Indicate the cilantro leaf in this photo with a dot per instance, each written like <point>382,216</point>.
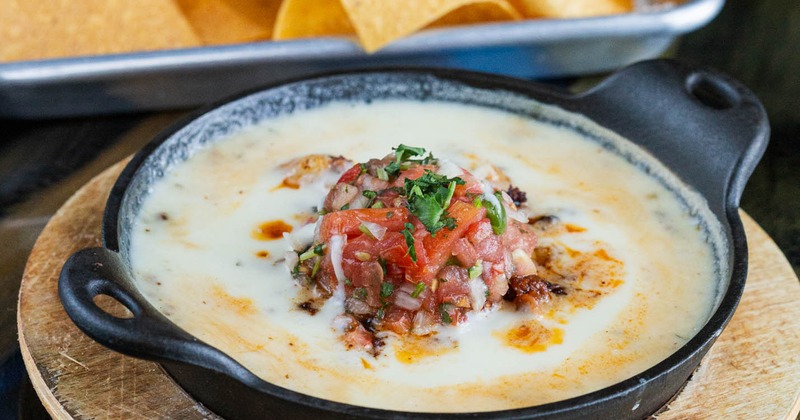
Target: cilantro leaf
<point>407,233</point>
<point>386,289</point>
<point>403,152</point>
<point>428,198</point>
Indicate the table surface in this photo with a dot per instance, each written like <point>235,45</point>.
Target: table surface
<point>43,162</point>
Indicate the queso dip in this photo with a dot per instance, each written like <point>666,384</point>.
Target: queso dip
<point>208,251</point>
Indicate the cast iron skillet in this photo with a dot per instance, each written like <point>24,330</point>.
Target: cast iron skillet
<point>705,127</point>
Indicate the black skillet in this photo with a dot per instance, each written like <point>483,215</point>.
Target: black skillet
<point>705,127</point>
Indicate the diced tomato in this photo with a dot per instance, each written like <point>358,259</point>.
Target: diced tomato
<point>350,175</point>
<point>480,231</point>
<point>355,335</point>
<point>489,249</point>
<point>397,320</point>
<point>465,252</point>
<point>453,286</point>
<point>413,172</point>
<point>519,235</point>
<point>393,249</point>
<point>471,185</point>
<point>365,275</point>
<point>438,248</point>
<point>347,222</point>
<point>495,277</point>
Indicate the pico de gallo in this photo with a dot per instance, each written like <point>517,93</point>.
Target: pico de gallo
<point>415,243</point>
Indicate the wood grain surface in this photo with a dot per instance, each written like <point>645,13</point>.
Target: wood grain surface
<point>751,372</point>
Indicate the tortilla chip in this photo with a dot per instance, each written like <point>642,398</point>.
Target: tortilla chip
<point>310,18</point>
<point>476,13</point>
<point>231,21</point>
<point>571,8</point>
<point>40,29</point>
<point>379,22</point>
<point>264,11</point>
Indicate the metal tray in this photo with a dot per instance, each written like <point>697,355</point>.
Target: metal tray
<point>185,78</point>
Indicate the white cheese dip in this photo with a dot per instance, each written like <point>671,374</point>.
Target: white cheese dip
<point>196,258</point>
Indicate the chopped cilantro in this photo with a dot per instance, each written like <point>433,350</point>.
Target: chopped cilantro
<point>386,289</point>
<point>377,205</point>
<point>360,293</point>
<point>345,207</point>
<point>363,167</point>
<point>389,214</point>
<point>418,289</point>
<point>444,314</point>
<point>407,233</point>
<point>370,195</point>
<point>404,153</point>
<point>429,197</point>
<point>348,282</point>
<point>392,169</point>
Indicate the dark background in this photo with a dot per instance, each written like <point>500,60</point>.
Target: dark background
<point>43,162</point>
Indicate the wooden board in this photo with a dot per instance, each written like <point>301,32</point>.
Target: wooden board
<point>751,372</point>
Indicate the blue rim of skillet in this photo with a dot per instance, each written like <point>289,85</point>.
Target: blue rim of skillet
<point>723,130</point>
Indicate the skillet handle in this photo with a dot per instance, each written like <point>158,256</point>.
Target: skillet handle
<point>705,126</point>
<point>147,334</point>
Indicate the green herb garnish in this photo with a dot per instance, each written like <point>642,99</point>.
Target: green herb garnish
<point>444,314</point>
<point>407,233</point>
<point>386,289</point>
<point>418,289</point>
<point>404,153</point>
<point>429,197</point>
<point>360,293</point>
<point>370,195</point>
<point>345,207</point>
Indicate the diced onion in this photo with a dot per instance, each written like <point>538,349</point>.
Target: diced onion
<point>341,323</point>
<point>336,247</point>
<point>359,202</point>
<point>357,306</point>
<point>375,229</point>
<point>477,289</point>
<point>291,259</point>
<point>523,264</point>
<point>424,323</point>
<point>512,211</point>
<point>403,299</point>
<point>449,169</point>
<point>303,237</point>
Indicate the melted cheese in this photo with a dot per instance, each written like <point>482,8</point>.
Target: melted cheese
<point>644,263</point>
